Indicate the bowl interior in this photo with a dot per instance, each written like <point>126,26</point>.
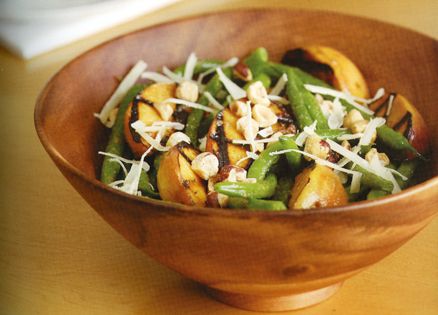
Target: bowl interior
<point>392,57</point>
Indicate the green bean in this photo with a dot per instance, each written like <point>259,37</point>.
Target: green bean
<point>257,60</point>
<point>406,168</point>
<point>255,204</point>
<point>394,140</point>
<point>205,125</point>
<point>195,117</point>
<point>284,188</point>
<point>364,149</point>
<point>260,167</point>
<point>297,101</point>
<point>145,186</point>
<point>237,203</point>
<point>261,189</point>
<point>116,143</point>
<point>332,134</point>
<point>273,205</point>
<point>376,193</point>
<point>374,181</point>
<point>294,159</point>
<point>275,70</point>
<point>307,99</point>
<point>262,77</point>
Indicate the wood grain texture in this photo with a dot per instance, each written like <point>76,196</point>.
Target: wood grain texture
<point>211,246</point>
<point>59,257</point>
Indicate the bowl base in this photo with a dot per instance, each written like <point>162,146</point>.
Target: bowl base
<point>274,303</point>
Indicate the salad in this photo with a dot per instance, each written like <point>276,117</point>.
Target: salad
<point>257,134</point>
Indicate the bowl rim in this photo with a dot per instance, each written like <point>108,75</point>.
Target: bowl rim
<point>58,158</point>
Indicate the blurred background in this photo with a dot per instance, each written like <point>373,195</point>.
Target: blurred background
<point>57,256</point>
<point>29,28</point>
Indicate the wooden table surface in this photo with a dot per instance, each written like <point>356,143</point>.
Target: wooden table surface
<point>57,256</point>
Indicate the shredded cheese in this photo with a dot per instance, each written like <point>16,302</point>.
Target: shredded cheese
<point>390,101</point>
<point>140,128</point>
<point>308,131</point>
<point>350,136</point>
<point>249,155</point>
<point>279,86</point>
<point>266,132</point>
<point>190,66</point>
<point>380,92</point>
<point>355,182</point>
<point>316,159</point>
<point>229,63</point>
<point>156,77</point>
<point>278,99</point>
<point>172,75</point>
<point>235,91</point>
<point>213,101</point>
<point>336,116</point>
<point>130,184</point>
<point>121,159</point>
<point>370,130</point>
<point>190,104</point>
<point>342,95</point>
<point>120,92</point>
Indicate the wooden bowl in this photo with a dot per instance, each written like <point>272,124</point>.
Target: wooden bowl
<point>254,260</point>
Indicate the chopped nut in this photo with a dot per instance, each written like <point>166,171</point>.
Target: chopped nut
<point>229,173</point>
<point>257,94</point>
<point>346,145</point>
<point>187,90</point>
<point>342,177</point>
<point>203,143</point>
<point>316,146</point>
<point>165,110</point>
<point>264,115</point>
<point>239,108</point>
<point>205,165</point>
<point>176,138</point>
<point>243,72</point>
<point>223,200</point>
<point>359,126</point>
<point>243,127</point>
<point>352,117</point>
<point>383,158</point>
<point>217,200</point>
<point>276,136</point>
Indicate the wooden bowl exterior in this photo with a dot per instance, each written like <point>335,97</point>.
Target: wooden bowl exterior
<point>253,253</point>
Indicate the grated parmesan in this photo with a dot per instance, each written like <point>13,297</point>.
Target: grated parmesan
<point>235,91</point>
<point>190,104</point>
<point>213,101</point>
<point>342,95</point>
<point>120,92</point>
<point>156,77</point>
<point>279,86</point>
<point>190,66</point>
<point>172,75</point>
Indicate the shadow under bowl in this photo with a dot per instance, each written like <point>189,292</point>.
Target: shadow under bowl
<point>251,259</point>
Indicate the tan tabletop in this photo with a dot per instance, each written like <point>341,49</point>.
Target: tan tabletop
<point>57,256</point>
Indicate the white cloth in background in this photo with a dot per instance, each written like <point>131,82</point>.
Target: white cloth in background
<point>32,27</point>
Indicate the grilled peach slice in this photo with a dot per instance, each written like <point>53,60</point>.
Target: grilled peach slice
<point>329,65</point>
<point>176,180</point>
<point>403,117</point>
<point>219,137</point>
<point>317,187</point>
<point>142,108</point>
